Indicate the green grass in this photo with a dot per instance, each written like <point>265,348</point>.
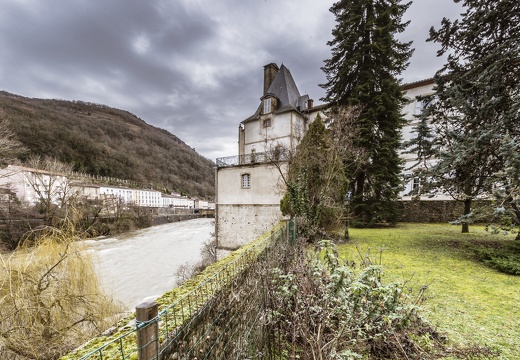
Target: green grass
<point>468,301</point>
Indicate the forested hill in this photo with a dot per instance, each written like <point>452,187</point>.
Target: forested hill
<point>100,140</point>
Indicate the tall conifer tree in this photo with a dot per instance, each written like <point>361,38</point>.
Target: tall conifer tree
<point>475,121</point>
<point>363,71</point>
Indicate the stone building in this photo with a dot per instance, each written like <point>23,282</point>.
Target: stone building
<point>249,186</point>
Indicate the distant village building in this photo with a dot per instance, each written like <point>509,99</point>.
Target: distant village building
<point>249,186</point>
<point>29,184</point>
<point>178,201</point>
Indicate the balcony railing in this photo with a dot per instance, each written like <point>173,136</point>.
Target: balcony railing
<point>253,158</point>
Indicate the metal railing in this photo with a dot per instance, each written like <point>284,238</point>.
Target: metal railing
<point>219,319</point>
<point>253,158</point>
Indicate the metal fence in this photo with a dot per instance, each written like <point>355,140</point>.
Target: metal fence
<point>222,318</point>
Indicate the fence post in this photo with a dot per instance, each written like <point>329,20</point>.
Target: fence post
<point>147,339</point>
<point>290,232</point>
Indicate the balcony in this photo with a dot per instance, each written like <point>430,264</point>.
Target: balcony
<point>253,158</point>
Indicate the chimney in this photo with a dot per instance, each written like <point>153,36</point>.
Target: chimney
<point>310,104</point>
<point>270,71</point>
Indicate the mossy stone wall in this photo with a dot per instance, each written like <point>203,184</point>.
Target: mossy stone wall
<point>434,211</point>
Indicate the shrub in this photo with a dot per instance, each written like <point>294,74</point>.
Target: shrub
<point>328,310</point>
<point>503,257</point>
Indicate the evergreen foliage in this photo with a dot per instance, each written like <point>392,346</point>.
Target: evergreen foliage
<point>316,182</point>
<point>474,129</point>
<point>326,308</point>
<point>366,60</point>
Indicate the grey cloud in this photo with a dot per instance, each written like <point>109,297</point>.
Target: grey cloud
<point>193,68</point>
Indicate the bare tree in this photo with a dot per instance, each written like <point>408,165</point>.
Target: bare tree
<point>52,187</point>
<point>10,147</point>
<point>50,298</point>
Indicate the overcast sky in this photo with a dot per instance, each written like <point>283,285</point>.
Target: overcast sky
<point>192,67</point>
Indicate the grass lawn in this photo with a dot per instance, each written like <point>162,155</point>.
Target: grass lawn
<point>470,302</point>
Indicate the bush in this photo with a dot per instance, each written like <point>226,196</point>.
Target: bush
<point>208,255</point>
<point>325,307</point>
<point>504,257</point>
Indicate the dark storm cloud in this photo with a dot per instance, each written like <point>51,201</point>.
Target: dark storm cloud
<point>192,67</point>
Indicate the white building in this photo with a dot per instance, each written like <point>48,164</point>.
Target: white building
<point>30,185</point>
<point>415,92</point>
<point>249,185</point>
<point>178,201</point>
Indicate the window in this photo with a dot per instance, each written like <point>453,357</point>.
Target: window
<point>267,106</point>
<point>419,106</point>
<point>417,184</point>
<point>267,123</point>
<point>246,181</point>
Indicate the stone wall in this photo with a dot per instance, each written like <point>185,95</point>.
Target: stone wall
<point>165,219</point>
<point>432,211</point>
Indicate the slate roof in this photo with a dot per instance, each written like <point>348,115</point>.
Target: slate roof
<point>284,88</point>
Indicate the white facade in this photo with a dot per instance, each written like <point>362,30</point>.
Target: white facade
<point>178,201</point>
<point>414,92</point>
<point>245,210</point>
<point>264,134</point>
<point>30,184</point>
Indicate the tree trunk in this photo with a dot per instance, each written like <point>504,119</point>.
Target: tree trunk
<point>347,214</point>
<point>467,210</point>
<point>358,197</point>
<point>516,217</point>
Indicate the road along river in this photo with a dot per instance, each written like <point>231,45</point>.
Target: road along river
<point>140,265</point>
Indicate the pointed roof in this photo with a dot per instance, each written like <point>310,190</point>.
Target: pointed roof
<point>285,90</point>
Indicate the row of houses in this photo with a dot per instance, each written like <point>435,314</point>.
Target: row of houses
<point>31,185</point>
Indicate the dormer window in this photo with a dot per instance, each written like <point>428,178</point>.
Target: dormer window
<point>267,106</point>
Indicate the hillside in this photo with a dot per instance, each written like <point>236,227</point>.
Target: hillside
<point>100,140</point>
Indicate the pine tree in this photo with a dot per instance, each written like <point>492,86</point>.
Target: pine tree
<point>478,104</point>
<point>362,72</point>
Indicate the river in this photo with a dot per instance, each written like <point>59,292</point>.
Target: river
<point>140,265</point>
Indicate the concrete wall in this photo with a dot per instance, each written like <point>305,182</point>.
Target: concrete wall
<point>244,214</point>
<point>237,225</point>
